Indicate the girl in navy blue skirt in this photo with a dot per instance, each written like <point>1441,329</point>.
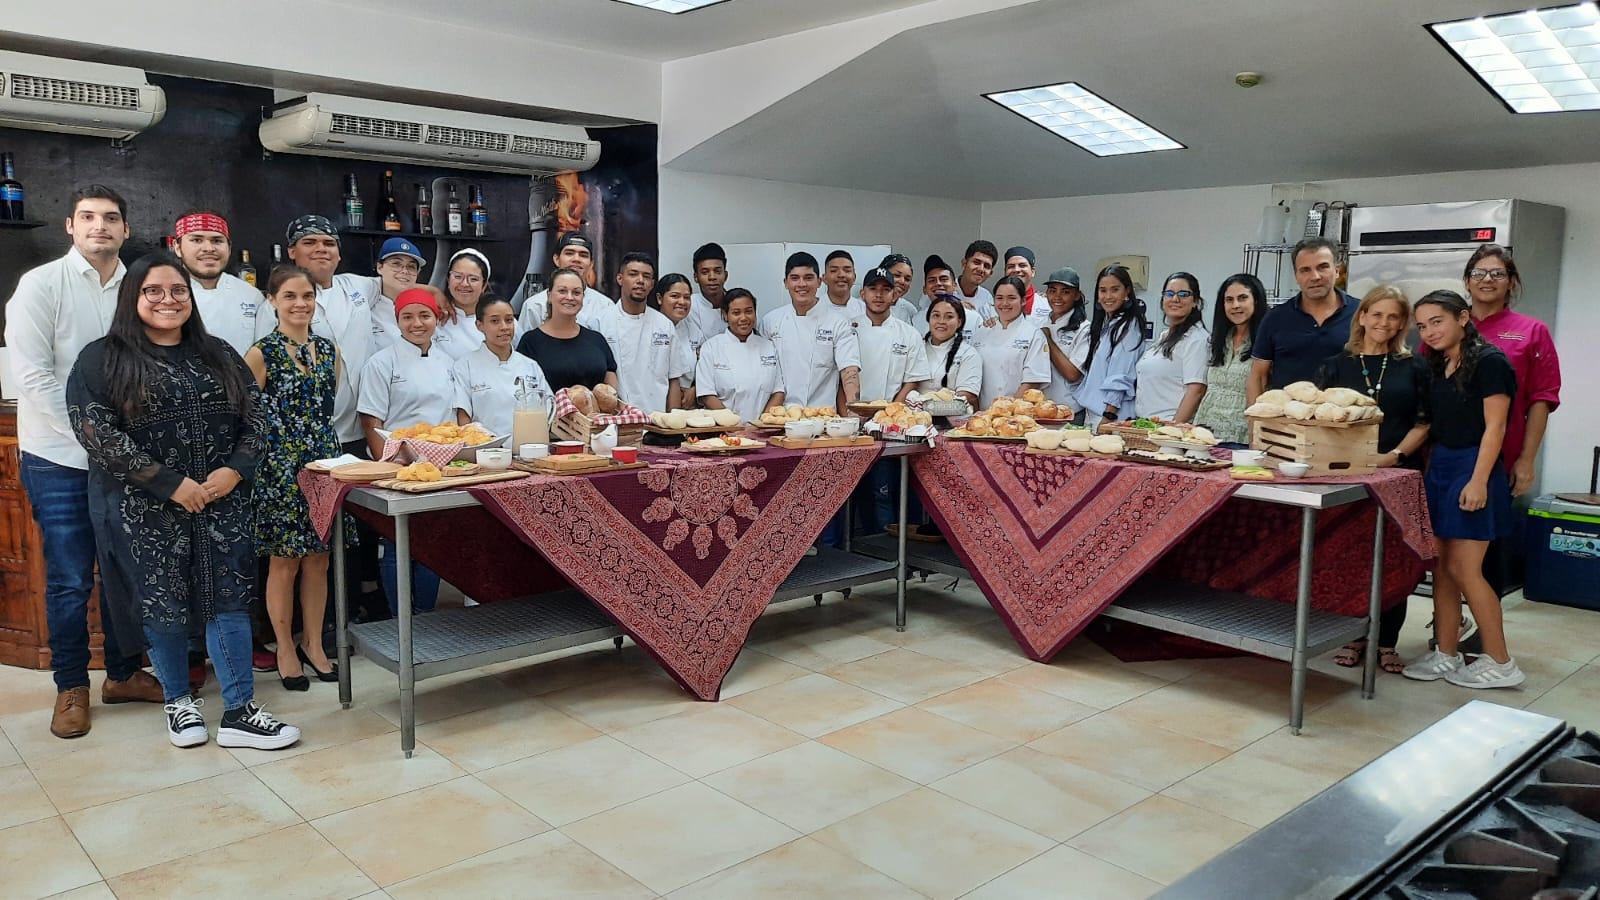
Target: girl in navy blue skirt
<point>1469,498</point>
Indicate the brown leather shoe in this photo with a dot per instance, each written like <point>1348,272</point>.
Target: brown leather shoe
<point>71,718</point>
<point>142,687</point>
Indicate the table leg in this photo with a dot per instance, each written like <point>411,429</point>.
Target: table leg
<point>900,548</point>
<point>1369,671</point>
<point>1302,619</point>
<point>341,611</point>
<point>403,599</point>
<point>849,517</point>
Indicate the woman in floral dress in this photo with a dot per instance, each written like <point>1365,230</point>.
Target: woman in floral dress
<point>299,374</point>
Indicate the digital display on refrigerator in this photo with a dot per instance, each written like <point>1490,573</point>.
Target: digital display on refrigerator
<point>1420,236</point>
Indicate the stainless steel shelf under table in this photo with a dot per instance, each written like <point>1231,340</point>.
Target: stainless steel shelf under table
<point>929,557</point>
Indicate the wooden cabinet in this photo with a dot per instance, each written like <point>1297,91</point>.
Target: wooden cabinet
<point>24,639</point>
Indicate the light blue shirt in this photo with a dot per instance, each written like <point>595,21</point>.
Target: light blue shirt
<point>1110,379</point>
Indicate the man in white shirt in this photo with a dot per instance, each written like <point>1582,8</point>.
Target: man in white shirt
<point>816,346</point>
<point>977,264</point>
<point>576,252</point>
<point>650,357</point>
<point>399,266</point>
<point>227,305</point>
<point>893,360</point>
<point>839,275</point>
<point>705,308</point>
<point>1020,262</point>
<point>56,310</point>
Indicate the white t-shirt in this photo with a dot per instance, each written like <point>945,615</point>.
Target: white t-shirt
<point>1162,381</point>
<point>853,307</point>
<point>742,374</point>
<point>966,373</point>
<point>812,350</point>
<point>649,355</point>
<point>400,387</point>
<point>703,322</point>
<point>486,386</point>
<point>892,354</point>
<point>229,310</point>
<point>460,338</point>
<point>343,316</point>
<point>1060,390</point>
<point>982,303</point>
<point>1011,357</point>
<point>537,309</point>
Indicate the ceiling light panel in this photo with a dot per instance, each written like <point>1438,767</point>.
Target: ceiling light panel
<point>1084,118</point>
<point>675,7</point>
<point>1538,61</point>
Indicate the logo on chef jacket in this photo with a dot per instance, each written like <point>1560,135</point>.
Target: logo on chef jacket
<point>899,349</point>
<point>724,367</point>
<point>661,339</point>
<point>396,378</point>
<point>770,360</point>
<point>1512,336</point>
<point>479,387</point>
<point>1020,343</point>
<point>824,335</point>
<point>248,310</point>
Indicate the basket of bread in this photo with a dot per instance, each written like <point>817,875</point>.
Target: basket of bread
<point>899,422</point>
<point>438,444</point>
<point>1327,430</point>
<point>582,412</point>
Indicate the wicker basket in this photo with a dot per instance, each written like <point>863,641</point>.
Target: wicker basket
<point>1132,438</point>
<point>946,408</point>
<point>576,426</point>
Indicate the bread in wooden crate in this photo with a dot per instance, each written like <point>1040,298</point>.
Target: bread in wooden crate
<point>1329,448</point>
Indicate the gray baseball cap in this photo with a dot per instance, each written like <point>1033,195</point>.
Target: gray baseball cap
<point>1064,275</point>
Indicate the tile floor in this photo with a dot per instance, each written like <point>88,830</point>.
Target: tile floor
<point>846,760</point>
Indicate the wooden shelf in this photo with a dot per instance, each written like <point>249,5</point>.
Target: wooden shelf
<point>411,235</point>
<point>8,223</point>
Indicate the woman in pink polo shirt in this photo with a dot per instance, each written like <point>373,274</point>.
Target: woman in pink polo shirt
<point>1492,283</point>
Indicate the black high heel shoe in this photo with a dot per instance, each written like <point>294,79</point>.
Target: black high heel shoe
<point>295,682</point>
<point>331,675</point>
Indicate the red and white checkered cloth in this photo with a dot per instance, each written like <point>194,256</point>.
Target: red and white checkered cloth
<point>410,450</point>
<point>630,415</point>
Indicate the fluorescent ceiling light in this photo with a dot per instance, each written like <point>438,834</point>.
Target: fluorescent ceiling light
<point>674,7</point>
<point>1084,118</point>
<point>1542,60</point>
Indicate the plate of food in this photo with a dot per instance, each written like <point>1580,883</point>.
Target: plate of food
<point>778,416</point>
<point>472,435</point>
<point>460,467</point>
<point>727,443</point>
<point>693,421</point>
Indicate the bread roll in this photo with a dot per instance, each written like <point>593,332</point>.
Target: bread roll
<point>677,419</point>
<point>726,418</point>
<point>794,411</point>
<point>582,399</point>
<point>1275,397</point>
<point>1303,391</point>
<point>1264,410</point>
<point>1295,409</point>
<point>1203,435</point>
<point>699,419</point>
<point>1330,412</point>
<point>1079,444</point>
<point>1106,443</point>
<point>606,399</point>
<point>1341,396</point>
<point>1033,395</point>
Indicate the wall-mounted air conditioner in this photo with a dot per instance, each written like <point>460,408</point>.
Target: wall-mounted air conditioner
<point>44,93</point>
<point>326,125</point>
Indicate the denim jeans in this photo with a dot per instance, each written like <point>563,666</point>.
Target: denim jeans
<point>60,499</point>
<point>227,639</point>
<point>424,583</point>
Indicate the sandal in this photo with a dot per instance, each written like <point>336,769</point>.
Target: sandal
<point>1389,660</point>
<point>1349,656</point>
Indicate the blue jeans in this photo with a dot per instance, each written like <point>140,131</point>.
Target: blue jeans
<point>424,583</point>
<point>227,639</point>
<point>59,496</point>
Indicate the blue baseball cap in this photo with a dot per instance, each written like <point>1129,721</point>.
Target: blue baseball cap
<point>401,247</point>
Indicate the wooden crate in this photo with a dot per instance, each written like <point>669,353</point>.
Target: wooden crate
<point>579,427</point>
<point>1330,448</point>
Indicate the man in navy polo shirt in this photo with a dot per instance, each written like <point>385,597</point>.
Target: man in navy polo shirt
<point>1297,335</point>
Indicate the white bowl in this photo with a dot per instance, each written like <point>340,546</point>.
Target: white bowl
<point>1248,457</point>
<point>803,428</point>
<point>531,452</point>
<point>1294,469</point>
<point>842,427</point>
<point>494,458</point>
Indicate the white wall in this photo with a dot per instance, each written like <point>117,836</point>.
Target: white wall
<point>1202,231</point>
<point>696,208</point>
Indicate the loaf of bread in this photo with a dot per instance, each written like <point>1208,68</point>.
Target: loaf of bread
<point>606,399</point>
<point>582,399</point>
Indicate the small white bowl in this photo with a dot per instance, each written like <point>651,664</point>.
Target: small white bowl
<point>1294,469</point>
<point>803,428</point>
<point>1248,457</point>
<point>840,428</point>
<point>495,458</point>
<point>531,452</point>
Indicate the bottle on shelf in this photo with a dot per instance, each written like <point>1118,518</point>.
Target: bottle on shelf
<point>478,212</point>
<point>11,194</point>
<point>391,212</point>
<point>424,211</point>
<point>277,254</point>
<point>247,272</point>
<point>452,224</point>
<point>355,212</point>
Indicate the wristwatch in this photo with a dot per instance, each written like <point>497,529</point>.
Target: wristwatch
<point>1399,457</point>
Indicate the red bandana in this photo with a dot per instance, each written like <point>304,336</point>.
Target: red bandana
<point>200,222</point>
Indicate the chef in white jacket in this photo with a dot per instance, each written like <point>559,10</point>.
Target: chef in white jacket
<point>1012,347</point>
<point>486,379</point>
<point>411,381</point>
<point>738,369</point>
<point>893,358</point>
<point>227,305</point>
<point>573,251</point>
<point>650,354</point>
<point>817,349</point>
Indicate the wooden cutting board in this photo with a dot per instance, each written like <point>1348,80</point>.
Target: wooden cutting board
<point>789,443</point>
<point>364,472</point>
<point>708,429</point>
<point>566,465</point>
<point>446,484</point>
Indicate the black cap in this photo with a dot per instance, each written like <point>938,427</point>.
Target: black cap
<point>574,239</point>
<point>879,275</point>
<point>934,263</point>
<point>1023,252</point>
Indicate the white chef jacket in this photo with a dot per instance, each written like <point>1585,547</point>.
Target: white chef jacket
<point>486,387</point>
<point>229,310</point>
<point>703,322</point>
<point>812,350</point>
<point>743,374</point>
<point>1011,357</point>
<point>891,355</point>
<point>1060,390</point>
<point>57,309</point>
<point>983,300</point>
<point>853,307</point>
<point>966,373</point>
<point>460,338</point>
<point>385,327</point>
<point>649,355</point>
<point>684,336</point>
<point>343,316</point>
<point>1162,381</point>
<point>906,311</point>
<point>400,387</point>
<point>537,309</point>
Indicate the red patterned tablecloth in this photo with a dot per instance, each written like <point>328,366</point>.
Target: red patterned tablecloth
<point>1053,540</point>
<point>684,555</point>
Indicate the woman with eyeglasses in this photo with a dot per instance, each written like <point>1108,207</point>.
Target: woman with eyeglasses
<point>1493,285</point>
<point>174,429</point>
<point>466,285</point>
<point>1241,305</point>
<point>1171,375</point>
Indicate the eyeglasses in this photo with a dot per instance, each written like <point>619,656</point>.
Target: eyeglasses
<point>463,278</point>
<point>154,293</point>
<point>1183,295</point>
<point>1488,275</point>
<point>405,265</point>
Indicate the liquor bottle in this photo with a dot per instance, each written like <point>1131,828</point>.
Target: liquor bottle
<point>355,212</point>
<point>452,215</point>
<point>478,213</point>
<point>277,254</point>
<point>247,272</point>
<point>11,194</point>
<point>424,211</point>
<point>391,212</point>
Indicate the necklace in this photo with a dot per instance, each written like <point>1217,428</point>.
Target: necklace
<point>1374,389</point>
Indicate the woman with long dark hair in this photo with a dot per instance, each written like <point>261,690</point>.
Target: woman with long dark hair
<point>1171,375</point>
<point>903,273</point>
<point>952,359</point>
<point>170,419</point>
<point>1013,350</point>
<point>1068,313</point>
<point>1241,305</point>
<point>1114,340</point>
<point>1469,496</point>
<point>466,285</point>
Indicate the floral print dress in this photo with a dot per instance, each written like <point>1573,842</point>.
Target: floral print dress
<point>299,404</point>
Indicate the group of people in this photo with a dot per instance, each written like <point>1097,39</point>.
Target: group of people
<point>166,407</point>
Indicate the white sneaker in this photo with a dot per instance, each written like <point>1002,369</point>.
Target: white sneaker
<point>185,726</point>
<point>1486,673</point>
<point>1434,666</point>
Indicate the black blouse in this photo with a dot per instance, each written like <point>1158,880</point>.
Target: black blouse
<point>1400,387</point>
<point>568,362</point>
<point>1458,412</point>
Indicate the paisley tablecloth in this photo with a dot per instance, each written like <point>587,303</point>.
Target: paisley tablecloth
<point>684,555</point>
<point>1053,540</point>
